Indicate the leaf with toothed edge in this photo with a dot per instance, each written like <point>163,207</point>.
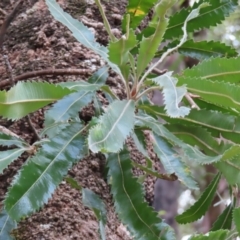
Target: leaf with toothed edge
<point>119,52</point>
<point>83,34</point>
<point>42,173</point>
<point>140,141</point>
<point>172,95</point>
<point>230,170</point>
<point>228,127</point>
<point>216,69</point>
<point>219,93</point>
<point>212,15</point>
<point>200,207</point>
<point>94,83</point>
<point>56,118</point>
<point>8,156</point>
<point>224,221</point>
<point>100,76</point>
<point>113,127</point>
<point>190,152</point>
<point>172,162</point>
<point>140,219</point>
<point>27,97</point>
<point>148,46</point>
<point>217,235</point>
<point>6,226</point>
<point>94,202</point>
<point>199,136</point>
<point>201,50</point>
<point>64,110</point>
<point>9,140</point>
<point>236,218</point>
<point>137,9</point>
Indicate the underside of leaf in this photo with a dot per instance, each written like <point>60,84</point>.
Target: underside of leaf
<point>113,127</point>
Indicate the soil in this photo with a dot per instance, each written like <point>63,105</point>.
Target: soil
<point>35,41</point>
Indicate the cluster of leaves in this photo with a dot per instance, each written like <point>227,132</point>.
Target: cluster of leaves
<point>210,108</point>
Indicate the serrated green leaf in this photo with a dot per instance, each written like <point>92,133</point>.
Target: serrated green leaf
<point>191,153</point>
<point>224,221</point>
<point>113,127</point>
<point>149,46</point>
<point>228,127</point>
<point>216,69</point>
<point>231,170</point>
<point>8,156</point>
<point>119,52</point>
<point>9,140</point>
<point>139,140</point>
<point>201,50</point>
<point>223,152</point>
<point>198,136</point>
<point>92,200</point>
<point>53,129</point>
<point>211,107</point>
<point>236,218</point>
<point>193,14</point>
<point>212,15</point>
<point>94,83</point>
<point>80,85</point>
<point>42,173</point>
<point>83,34</point>
<point>172,95</point>
<point>65,109</point>
<point>218,235</point>
<point>100,76</point>
<point>134,212</point>
<point>109,93</point>
<point>200,207</point>
<point>219,93</point>
<point>137,9</point>
<point>149,170</point>
<point>232,234</point>
<point>97,106</point>
<point>27,97</point>
<point>6,226</point>
<point>172,163</point>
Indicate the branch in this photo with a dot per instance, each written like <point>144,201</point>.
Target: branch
<point>189,97</point>
<point>50,71</point>
<point>168,177</point>
<point>8,20</point>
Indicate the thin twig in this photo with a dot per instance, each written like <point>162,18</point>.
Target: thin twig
<point>3,12</point>
<point>8,65</point>
<point>8,20</point>
<point>3,30</point>
<point>169,177</point>
<point>35,133</point>
<point>188,96</point>
<point>51,71</point>
<point>8,132</point>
